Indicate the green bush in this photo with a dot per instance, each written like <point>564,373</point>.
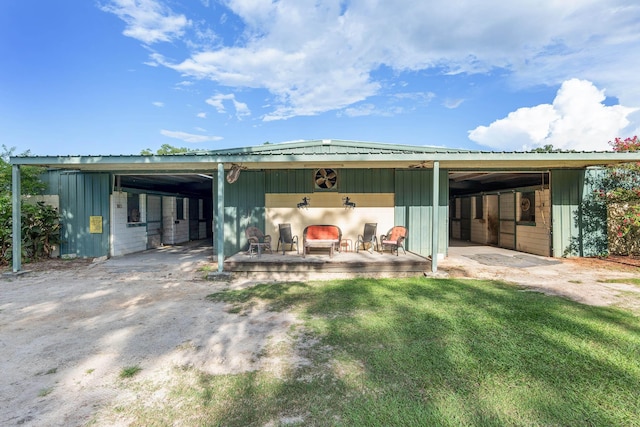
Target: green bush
<point>40,230</point>
<point>5,229</point>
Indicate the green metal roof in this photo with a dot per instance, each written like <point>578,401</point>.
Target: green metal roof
<point>335,153</point>
<point>333,146</point>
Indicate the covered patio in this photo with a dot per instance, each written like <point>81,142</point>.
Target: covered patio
<point>362,263</point>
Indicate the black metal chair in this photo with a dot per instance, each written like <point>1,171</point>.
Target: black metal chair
<point>368,237</point>
<point>287,238</point>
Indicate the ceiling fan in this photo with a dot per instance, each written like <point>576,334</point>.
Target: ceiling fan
<point>325,178</point>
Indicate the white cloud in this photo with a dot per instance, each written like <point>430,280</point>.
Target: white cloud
<point>201,115</point>
<point>577,120</point>
<point>189,137</point>
<point>218,101</point>
<point>158,103</point>
<point>418,97</point>
<point>319,55</point>
<point>148,20</point>
<point>360,110</point>
<point>452,103</point>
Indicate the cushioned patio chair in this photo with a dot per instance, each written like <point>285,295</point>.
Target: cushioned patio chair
<point>287,238</point>
<point>394,239</point>
<point>258,241</point>
<point>368,239</point>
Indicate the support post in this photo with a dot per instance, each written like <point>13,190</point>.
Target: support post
<point>435,217</point>
<point>220,228</point>
<point>16,190</point>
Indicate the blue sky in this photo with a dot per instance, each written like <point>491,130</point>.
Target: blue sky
<point>119,76</point>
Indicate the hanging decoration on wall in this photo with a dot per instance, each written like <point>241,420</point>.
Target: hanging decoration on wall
<point>421,165</point>
<point>304,203</point>
<point>234,173</point>
<point>325,178</point>
<point>348,204</point>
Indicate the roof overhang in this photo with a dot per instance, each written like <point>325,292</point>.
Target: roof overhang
<point>337,154</point>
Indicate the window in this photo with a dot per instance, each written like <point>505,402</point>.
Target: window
<point>479,207</point>
<point>528,207</point>
<point>133,207</point>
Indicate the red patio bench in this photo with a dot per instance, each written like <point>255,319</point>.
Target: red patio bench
<point>321,236</point>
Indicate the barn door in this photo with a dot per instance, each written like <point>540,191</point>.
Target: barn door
<point>507,220</point>
<point>154,221</point>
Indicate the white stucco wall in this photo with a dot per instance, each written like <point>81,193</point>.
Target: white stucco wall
<point>174,230</point>
<point>350,221</point>
<point>126,238</point>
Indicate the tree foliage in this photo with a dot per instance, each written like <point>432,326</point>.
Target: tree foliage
<point>610,214</point>
<point>165,150</point>
<point>549,149</point>
<point>623,200</point>
<point>615,204</point>
<point>29,175</point>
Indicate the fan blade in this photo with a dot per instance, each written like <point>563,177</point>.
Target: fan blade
<point>328,183</point>
<point>320,181</point>
<point>323,172</point>
<point>331,175</point>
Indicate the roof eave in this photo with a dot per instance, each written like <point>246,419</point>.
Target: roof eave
<point>253,160</point>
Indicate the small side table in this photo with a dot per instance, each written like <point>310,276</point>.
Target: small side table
<point>346,245</point>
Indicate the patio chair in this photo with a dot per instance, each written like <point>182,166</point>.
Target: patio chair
<point>287,238</point>
<point>258,241</point>
<point>368,238</point>
<point>394,239</point>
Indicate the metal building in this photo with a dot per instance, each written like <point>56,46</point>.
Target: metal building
<point>115,205</point>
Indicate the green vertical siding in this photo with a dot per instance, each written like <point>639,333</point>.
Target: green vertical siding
<point>414,208</point>
<point>349,181</point>
<point>288,181</point>
<point>366,180</point>
<point>83,195</point>
<point>567,188</point>
<point>51,180</point>
<point>579,224</point>
<point>243,206</point>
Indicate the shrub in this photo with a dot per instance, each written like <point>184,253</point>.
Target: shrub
<point>40,230</point>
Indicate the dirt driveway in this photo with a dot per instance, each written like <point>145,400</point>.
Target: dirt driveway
<point>580,279</point>
<point>69,328</point>
<point>66,334</point>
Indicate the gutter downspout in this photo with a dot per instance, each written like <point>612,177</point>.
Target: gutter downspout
<point>220,243</point>
<point>435,220</point>
<point>16,218</point>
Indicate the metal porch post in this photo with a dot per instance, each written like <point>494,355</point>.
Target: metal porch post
<point>220,231</point>
<point>16,218</point>
<point>435,217</point>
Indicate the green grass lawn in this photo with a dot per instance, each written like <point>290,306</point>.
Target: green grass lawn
<point>631,281</point>
<point>426,352</point>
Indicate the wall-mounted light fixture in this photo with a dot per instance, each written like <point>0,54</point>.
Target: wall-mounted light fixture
<point>304,203</point>
<point>348,204</point>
